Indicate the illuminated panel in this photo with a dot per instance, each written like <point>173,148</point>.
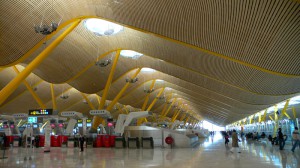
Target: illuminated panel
<point>40,112</point>
<point>32,119</point>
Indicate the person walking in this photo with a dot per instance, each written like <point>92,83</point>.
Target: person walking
<point>296,138</point>
<point>226,139</point>
<point>81,141</point>
<point>281,139</point>
<point>235,142</point>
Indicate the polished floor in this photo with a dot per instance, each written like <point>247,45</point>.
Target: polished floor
<point>210,154</point>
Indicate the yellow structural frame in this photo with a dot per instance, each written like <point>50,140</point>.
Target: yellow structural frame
<point>154,101</point>
<point>32,92</point>
<point>148,94</point>
<point>88,101</point>
<point>283,112</point>
<point>119,95</point>
<point>97,120</point>
<point>13,85</point>
<point>294,112</point>
<point>54,106</point>
<point>175,41</point>
<point>169,108</point>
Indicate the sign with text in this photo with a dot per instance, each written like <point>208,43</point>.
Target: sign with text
<point>40,112</point>
<point>101,113</point>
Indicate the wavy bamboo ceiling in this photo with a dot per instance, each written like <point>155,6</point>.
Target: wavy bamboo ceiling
<point>225,59</point>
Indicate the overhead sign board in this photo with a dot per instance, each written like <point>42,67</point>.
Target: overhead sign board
<point>20,115</point>
<point>40,112</point>
<point>102,113</point>
<point>68,113</point>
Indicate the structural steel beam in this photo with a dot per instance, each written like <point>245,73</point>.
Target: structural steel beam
<point>13,85</point>
<point>139,122</point>
<point>294,112</point>
<point>97,120</point>
<point>34,95</point>
<point>283,112</point>
<point>88,101</point>
<point>147,97</point>
<point>182,117</point>
<point>169,108</point>
<point>111,105</point>
<point>54,106</point>
<point>175,115</point>
<point>155,99</point>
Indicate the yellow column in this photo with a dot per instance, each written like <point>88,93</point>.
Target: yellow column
<point>283,112</point>
<point>34,95</point>
<point>147,97</point>
<point>164,109</point>
<point>111,105</point>
<point>88,101</point>
<point>13,85</point>
<point>175,116</point>
<point>151,105</point>
<point>182,117</point>
<point>294,112</point>
<point>165,105</point>
<point>187,120</point>
<point>54,106</point>
<point>97,120</point>
<point>155,99</point>
<point>169,107</point>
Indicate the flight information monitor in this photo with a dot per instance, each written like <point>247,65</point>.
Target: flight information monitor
<point>32,119</point>
<point>40,112</point>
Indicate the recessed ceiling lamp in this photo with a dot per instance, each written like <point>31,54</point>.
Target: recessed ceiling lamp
<point>147,70</point>
<point>102,27</point>
<point>130,54</point>
<point>159,80</point>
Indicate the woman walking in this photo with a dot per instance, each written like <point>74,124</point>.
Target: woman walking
<point>235,142</point>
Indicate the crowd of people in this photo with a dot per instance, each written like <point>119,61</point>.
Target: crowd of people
<point>278,140</point>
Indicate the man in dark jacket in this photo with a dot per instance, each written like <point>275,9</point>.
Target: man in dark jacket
<point>281,139</point>
<point>81,141</point>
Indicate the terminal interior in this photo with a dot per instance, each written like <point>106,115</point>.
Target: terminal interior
<point>139,80</point>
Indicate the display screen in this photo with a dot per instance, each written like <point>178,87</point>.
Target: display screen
<point>88,124</point>
<point>79,124</point>
<point>32,119</point>
<point>40,112</point>
<point>35,126</point>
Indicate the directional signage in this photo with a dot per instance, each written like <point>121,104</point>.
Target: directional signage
<point>20,115</point>
<point>40,112</point>
<point>101,113</point>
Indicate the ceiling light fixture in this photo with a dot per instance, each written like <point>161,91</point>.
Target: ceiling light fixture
<point>103,63</point>
<point>102,27</point>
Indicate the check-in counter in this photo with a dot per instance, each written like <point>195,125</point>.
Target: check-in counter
<point>181,139</point>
